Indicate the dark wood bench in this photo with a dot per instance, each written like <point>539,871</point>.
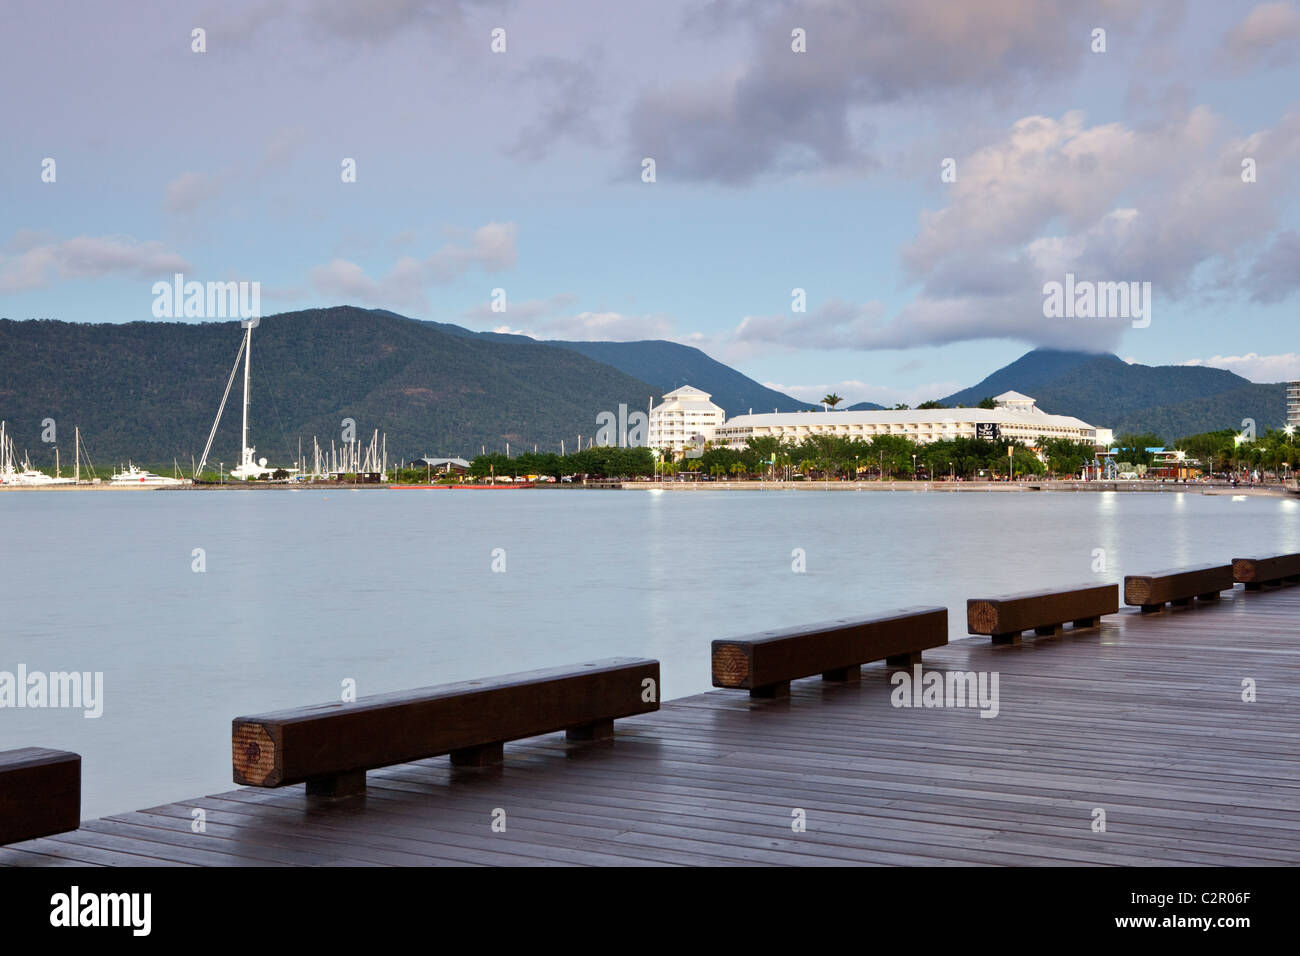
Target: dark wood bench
<point>1256,572</point>
<point>765,663</point>
<point>1152,592</point>
<point>40,793</point>
<point>331,746</point>
<point>1043,612</point>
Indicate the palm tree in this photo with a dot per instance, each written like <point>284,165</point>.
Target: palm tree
<point>832,400</point>
<point>738,469</point>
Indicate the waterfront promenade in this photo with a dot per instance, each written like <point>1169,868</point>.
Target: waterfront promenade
<point>1142,718</point>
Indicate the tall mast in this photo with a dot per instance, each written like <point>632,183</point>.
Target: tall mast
<point>245,455</point>
<point>76,450</point>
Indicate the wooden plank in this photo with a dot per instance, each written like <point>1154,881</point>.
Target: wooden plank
<point>1141,717</point>
<point>40,793</point>
<point>466,719</point>
<point>1044,612</point>
<point>766,662</point>
<point>1256,572</point>
<point>1151,591</point>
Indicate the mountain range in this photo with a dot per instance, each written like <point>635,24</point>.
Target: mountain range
<point>1104,390</point>
<point>149,391</point>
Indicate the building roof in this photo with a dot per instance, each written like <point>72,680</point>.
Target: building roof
<point>687,391</point>
<point>439,462</point>
<point>911,416</point>
<point>686,398</point>
<point>1013,397</point>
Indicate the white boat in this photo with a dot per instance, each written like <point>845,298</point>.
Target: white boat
<point>27,476</point>
<point>249,467</point>
<point>131,476</point>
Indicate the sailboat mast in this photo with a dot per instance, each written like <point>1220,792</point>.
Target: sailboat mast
<point>76,450</point>
<point>245,458</point>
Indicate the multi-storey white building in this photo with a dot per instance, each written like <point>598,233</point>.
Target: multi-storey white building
<point>1293,404</point>
<point>684,413</point>
<point>1015,419</point>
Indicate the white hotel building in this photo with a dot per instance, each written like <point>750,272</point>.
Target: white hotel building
<point>1016,416</point>
<point>684,413</point>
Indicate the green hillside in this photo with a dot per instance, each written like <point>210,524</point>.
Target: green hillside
<point>1103,390</point>
<point>149,391</point>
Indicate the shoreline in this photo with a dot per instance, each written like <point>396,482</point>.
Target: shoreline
<point>943,487</point>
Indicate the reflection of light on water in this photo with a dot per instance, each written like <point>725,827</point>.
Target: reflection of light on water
<point>1180,500</point>
<point>655,491</point>
<point>1240,497</point>
<point>1290,504</point>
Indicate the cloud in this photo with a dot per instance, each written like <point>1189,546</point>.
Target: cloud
<point>835,325</point>
<point>854,391</point>
<point>1276,273</point>
<point>568,93</point>
<point>490,247</point>
<point>189,190</point>
<point>372,23</point>
<point>606,327</point>
<point>403,287</point>
<point>1268,36</point>
<point>1284,367</point>
<point>30,261</point>
<point>1107,203</point>
<point>522,311</point>
<point>779,111</point>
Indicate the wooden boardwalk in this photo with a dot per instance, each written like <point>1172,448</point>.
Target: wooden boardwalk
<point>1143,718</point>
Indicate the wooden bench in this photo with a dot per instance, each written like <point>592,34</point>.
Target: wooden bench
<point>1043,612</point>
<point>1152,592</point>
<point>331,746</point>
<point>1256,572</point>
<point>765,663</point>
<point>40,793</point>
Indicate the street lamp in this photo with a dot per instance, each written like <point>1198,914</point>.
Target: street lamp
<point>914,468</point>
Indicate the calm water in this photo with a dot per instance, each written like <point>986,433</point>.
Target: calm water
<point>395,590</point>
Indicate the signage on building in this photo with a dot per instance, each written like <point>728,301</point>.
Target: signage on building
<point>988,431</point>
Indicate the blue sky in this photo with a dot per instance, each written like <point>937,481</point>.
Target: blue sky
<point>774,170</point>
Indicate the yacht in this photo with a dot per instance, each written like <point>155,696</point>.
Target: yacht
<point>133,476</point>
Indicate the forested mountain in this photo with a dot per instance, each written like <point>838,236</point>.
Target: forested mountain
<point>149,391</point>
<point>1103,390</point>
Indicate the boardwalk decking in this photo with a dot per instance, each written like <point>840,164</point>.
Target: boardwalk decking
<point>1143,718</point>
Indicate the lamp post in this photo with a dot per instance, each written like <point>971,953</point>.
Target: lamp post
<point>914,468</point>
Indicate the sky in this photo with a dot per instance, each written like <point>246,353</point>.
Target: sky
<point>921,170</point>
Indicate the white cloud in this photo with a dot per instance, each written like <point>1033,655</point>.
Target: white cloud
<point>606,327</point>
<point>30,261</point>
<point>1268,36</point>
<point>1107,203</point>
<point>491,248</point>
<point>1284,367</point>
<point>854,391</point>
